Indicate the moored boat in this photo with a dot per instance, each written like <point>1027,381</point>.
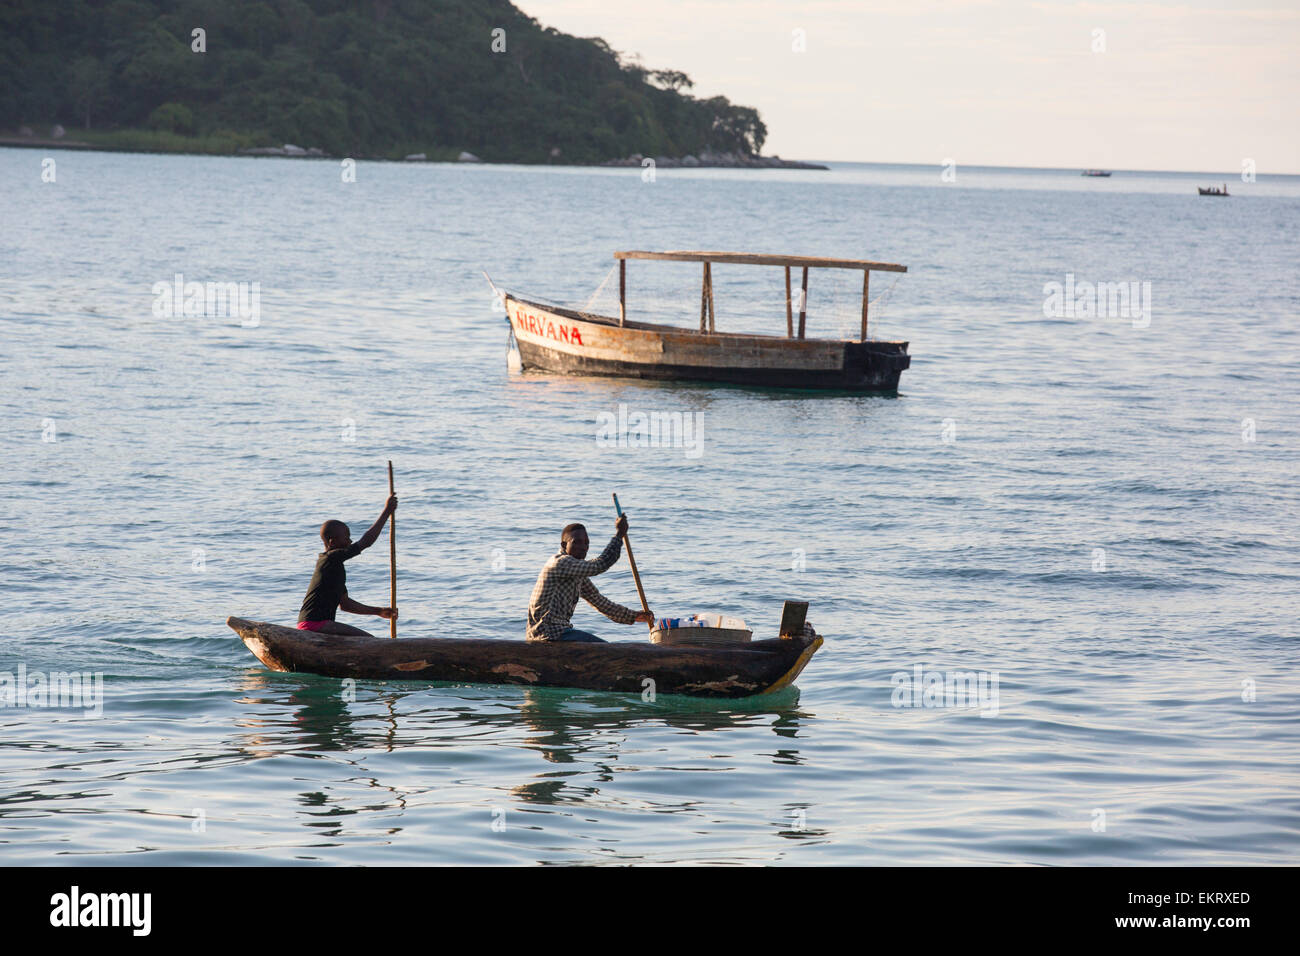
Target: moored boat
<point>740,670</point>
<point>568,341</point>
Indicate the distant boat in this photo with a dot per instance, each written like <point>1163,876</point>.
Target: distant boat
<point>1213,191</point>
<point>1096,172</point>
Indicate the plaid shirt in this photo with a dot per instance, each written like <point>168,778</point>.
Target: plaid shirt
<point>563,580</point>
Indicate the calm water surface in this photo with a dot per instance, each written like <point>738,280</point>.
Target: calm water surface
<point>1102,515</point>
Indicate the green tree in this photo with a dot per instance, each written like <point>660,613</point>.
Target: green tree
<point>172,118</point>
<point>87,87</point>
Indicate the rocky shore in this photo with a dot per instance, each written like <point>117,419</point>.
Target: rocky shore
<point>706,160</point>
<point>715,161</point>
<point>288,149</point>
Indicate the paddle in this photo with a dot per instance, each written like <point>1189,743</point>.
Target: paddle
<point>392,558</point>
<point>635,576</point>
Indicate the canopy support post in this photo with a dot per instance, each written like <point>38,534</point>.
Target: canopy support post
<point>708,279</point>
<point>704,298</point>
<point>789,317</point>
<point>622,291</point>
<point>866,286</point>
<point>803,301</point>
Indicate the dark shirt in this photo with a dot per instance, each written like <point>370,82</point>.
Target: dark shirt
<point>328,585</point>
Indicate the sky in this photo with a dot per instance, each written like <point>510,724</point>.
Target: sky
<point>1198,86</point>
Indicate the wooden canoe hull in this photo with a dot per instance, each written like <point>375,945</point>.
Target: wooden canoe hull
<point>758,667</point>
<point>553,339</point>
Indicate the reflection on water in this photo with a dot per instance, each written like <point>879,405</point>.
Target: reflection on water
<point>562,725</point>
<point>584,740</point>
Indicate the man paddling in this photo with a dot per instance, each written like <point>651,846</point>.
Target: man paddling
<point>565,578</point>
<point>328,591</point>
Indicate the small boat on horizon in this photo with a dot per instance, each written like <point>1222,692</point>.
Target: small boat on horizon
<point>1213,190</point>
<point>572,342</point>
<point>1096,172</point>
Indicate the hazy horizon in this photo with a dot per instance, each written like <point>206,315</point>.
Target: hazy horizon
<point>1046,169</point>
<point>1164,87</point>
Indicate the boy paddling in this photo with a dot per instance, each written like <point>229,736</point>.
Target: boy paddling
<point>328,591</point>
<point>565,578</point>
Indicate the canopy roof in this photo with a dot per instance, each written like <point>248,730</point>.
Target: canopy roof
<point>761,259</point>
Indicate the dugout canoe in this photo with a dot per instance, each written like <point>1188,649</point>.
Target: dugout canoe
<point>554,339</point>
<point>759,667</point>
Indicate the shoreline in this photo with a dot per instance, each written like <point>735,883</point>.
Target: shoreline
<point>288,151</point>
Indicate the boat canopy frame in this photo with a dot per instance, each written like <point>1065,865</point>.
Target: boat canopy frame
<point>707,324</point>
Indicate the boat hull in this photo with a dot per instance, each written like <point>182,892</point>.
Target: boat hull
<point>563,341</point>
<point>759,667</point>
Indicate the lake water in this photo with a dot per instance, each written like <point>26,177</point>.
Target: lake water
<point>1100,512</point>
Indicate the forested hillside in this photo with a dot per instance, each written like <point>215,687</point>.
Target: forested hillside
<point>360,79</point>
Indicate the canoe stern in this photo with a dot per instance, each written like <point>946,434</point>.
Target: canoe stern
<point>265,650</point>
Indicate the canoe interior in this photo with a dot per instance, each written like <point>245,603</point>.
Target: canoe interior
<point>758,667</point>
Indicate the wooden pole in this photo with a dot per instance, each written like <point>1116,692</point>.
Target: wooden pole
<point>704,297</point>
<point>803,301</point>
<point>392,558</point>
<point>622,291</point>
<point>866,286</point>
<point>635,576</point>
<point>708,278</point>
<point>789,316</point>
<point>750,259</point>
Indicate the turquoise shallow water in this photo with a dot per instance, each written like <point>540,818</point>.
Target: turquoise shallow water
<point>1101,515</point>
